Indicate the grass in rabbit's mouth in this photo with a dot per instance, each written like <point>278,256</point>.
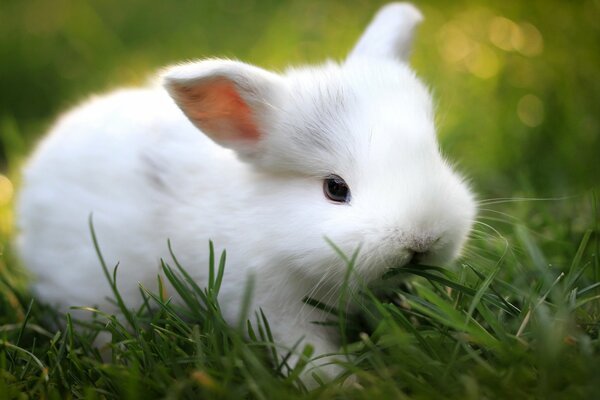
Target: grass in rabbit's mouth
<point>506,323</point>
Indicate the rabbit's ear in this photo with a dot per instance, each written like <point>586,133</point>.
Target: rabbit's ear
<point>390,33</point>
<point>229,101</point>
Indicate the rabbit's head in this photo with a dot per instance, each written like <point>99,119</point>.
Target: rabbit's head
<point>347,152</point>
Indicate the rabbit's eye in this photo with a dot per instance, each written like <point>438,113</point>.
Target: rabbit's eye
<point>336,189</point>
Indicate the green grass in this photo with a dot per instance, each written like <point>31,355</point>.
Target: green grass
<point>503,324</point>
<point>517,317</point>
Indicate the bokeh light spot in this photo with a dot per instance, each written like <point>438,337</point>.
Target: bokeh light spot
<point>505,34</point>
<point>532,43</point>
<point>510,36</point>
<point>483,62</point>
<point>530,110</point>
<point>6,190</point>
<point>455,45</point>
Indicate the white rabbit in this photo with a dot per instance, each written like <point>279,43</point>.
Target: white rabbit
<point>266,165</point>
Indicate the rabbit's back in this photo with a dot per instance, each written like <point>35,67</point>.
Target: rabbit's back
<point>111,158</point>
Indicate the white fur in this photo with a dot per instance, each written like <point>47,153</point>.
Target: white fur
<point>147,174</point>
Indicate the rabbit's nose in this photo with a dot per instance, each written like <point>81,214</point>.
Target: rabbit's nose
<point>421,244</point>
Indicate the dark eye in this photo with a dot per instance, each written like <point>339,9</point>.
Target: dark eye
<point>336,189</point>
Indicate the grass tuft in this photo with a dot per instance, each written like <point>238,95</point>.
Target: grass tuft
<point>509,324</point>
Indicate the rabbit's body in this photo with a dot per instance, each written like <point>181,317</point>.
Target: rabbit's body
<point>145,172</point>
<point>139,181</point>
<point>107,158</point>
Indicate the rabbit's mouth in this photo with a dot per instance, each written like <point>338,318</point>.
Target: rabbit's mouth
<point>374,264</point>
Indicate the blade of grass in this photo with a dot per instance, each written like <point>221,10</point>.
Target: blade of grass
<point>111,281</point>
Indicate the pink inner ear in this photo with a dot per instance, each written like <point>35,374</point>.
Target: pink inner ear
<point>218,110</point>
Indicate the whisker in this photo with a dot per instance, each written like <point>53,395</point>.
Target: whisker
<point>331,293</point>
<point>502,200</point>
<point>489,210</point>
<point>317,287</point>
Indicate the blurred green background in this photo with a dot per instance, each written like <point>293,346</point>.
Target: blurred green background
<point>516,82</point>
